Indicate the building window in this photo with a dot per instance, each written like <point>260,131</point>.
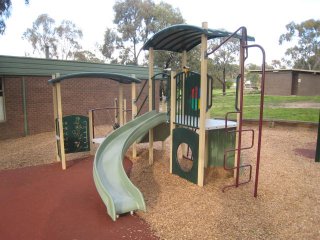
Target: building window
<point>2,109</point>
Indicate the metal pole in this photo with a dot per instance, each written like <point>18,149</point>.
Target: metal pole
<point>260,117</point>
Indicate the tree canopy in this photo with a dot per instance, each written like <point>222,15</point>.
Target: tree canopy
<point>5,10</point>
<point>222,62</point>
<point>136,21</point>
<point>62,40</point>
<point>305,54</point>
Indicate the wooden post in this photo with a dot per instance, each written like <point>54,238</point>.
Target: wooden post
<point>134,113</point>
<point>60,124</point>
<point>203,106</point>
<point>116,112</point>
<point>151,99</point>
<point>237,154</point>
<point>124,111</point>
<point>55,116</point>
<point>172,112</point>
<point>90,115</point>
<point>184,64</point>
<point>121,104</point>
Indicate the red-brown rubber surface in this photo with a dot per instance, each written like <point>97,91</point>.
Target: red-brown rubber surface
<point>46,202</point>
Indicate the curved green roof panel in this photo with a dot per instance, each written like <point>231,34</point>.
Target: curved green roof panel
<point>113,76</point>
<point>178,38</point>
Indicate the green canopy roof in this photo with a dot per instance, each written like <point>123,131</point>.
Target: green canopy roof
<point>116,77</point>
<point>178,38</point>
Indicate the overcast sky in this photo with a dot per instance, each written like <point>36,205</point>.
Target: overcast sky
<point>265,20</point>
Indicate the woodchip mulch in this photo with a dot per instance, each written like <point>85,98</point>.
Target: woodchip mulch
<point>287,207</point>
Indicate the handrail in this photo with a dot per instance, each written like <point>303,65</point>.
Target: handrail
<point>143,86</point>
<point>144,101</point>
<point>237,92</point>
<point>244,35</point>
<point>108,108</point>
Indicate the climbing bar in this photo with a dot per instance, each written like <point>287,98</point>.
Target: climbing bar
<point>239,183</point>
<point>263,67</point>
<point>243,37</point>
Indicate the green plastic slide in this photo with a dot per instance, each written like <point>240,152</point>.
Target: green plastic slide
<point>115,188</point>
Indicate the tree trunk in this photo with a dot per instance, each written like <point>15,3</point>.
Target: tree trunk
<point>224,82</point>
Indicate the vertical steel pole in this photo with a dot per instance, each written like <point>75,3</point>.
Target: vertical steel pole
<point>260,121</point>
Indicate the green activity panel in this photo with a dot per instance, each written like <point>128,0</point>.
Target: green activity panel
<point>76,133</point>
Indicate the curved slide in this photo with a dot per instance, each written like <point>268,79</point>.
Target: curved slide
<point>115,188</point>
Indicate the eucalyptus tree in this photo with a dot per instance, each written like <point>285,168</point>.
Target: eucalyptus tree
<point>222,62</point>
<point>62,40</point>
<point>42,34</point>
<point>136,21</point>
<point>305,53</point>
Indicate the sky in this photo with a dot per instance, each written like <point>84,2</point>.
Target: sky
<point>265,20</point>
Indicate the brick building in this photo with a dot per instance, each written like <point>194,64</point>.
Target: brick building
<point>288,82</point>
<point>26,101</point>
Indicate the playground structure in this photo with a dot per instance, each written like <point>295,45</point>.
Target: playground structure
<point>75,133</point>
<point>190,96</point>
<point>203,141</point>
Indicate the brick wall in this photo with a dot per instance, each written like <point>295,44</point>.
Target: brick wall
<point>13,125</point>
<point>278,83</point>
<point>309,85</point>
<point>78,96</point>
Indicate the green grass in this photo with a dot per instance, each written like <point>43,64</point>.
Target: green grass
<point>275,107</point>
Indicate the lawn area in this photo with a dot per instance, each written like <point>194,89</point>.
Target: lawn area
<point>291,108</point>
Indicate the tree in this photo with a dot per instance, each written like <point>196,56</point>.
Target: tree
<point>136,20</point>
<point>42,35</point>
<point>130,20</point>
<point>164,16</point>
<point>63,40</point>
<point>254,77</point>
<point>306,53</point>
<point>276,64</point>
<point>221,64</point>
<point>110,44</point>
<point>67,39</point>
<point>5,10</point>
<point>86,56</point>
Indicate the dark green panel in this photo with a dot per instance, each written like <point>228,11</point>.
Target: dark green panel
<point>184,135</point>
<point>218,141</point>
<point>160,133</point>
<point>76,133</point>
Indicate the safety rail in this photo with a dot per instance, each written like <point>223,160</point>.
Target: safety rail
<point>188,98</point>
<point>144,100</point>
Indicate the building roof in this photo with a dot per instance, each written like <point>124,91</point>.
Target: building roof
<point>315,72</point>
<point>116,77</point>
<point>25,66</point>
<point>180,37</point>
